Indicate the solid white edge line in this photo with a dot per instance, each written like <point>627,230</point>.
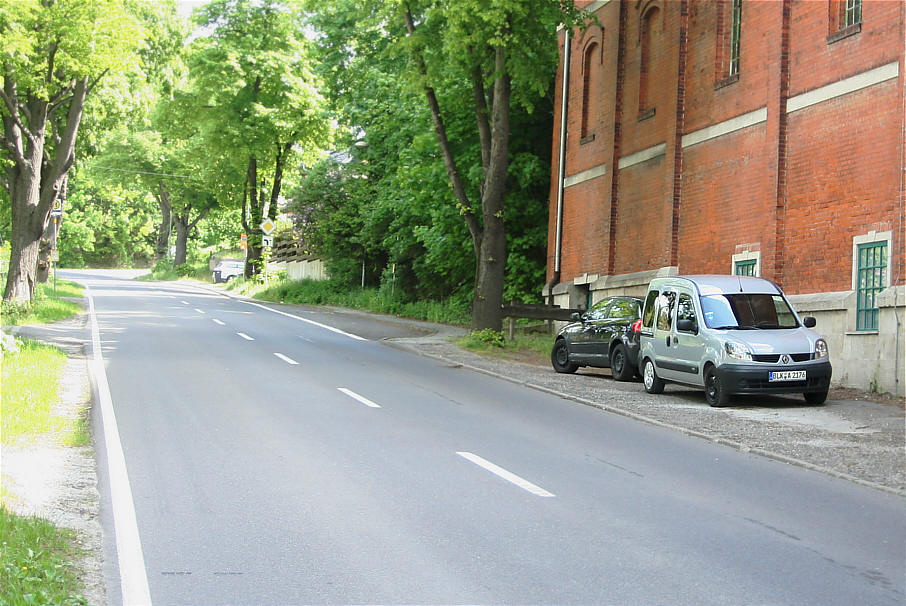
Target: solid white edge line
<point>286,359</point>
<point>359,398</point>
<point>245,336</point>
<point>133,577</point>
<point>312,322</point>
<point>506,475</point>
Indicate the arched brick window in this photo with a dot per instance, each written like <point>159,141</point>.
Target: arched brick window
<point>591,75</point>
<point>843,14</point>
<point>729,34</point>
<point>649,40</point>
<point>844,18</point>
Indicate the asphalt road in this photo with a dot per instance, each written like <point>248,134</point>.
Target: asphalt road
<point>275,460</point>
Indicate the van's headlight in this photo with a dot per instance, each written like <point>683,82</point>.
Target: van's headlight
<point>820,349</point>
<point>738,351</point>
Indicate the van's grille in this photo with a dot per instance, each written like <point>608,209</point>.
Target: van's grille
<point>767,385</point>
<point>774,358</point>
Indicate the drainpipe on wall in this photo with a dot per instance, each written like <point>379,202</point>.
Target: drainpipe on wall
<point>561,169</point>
<point>901,232</point>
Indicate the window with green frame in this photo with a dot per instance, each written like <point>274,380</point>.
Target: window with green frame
<point>852,12</point>
<point>735,30</point>
<point>745,268</point>
<point>871,278</point>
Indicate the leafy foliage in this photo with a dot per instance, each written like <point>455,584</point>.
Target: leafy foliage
<point>385,205</point>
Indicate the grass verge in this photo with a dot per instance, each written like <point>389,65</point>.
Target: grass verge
<point>50,304</point>
<point>36,556</point>
<point>35,563</point>
<point>535,348</point>
<point>31,387</point>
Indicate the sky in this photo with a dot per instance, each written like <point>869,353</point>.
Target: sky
<point>185,7</point>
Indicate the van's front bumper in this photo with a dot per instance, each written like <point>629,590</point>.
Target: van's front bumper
<point>755,378</point>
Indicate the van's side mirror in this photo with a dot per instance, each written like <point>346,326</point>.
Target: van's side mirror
<point>686,325</point>
<point>576,317</point>
<point>809,322</point>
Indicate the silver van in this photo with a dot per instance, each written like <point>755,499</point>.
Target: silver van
<point>730,335</point>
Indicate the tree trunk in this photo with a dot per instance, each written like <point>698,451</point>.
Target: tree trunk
<point>28,220</point>
<point>486,305</point>
<point>46,246</point>
<point>486,302</point>
<point>161,248</point>
<point>48,242</point>
<point>181,224</point>
<point>23,259</point>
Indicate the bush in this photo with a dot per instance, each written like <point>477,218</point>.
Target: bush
<point>488,336</point>
<point>163,271</point>
<point>453,310</point>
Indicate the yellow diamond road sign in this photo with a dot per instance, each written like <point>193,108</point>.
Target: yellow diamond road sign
<point>267,226</point>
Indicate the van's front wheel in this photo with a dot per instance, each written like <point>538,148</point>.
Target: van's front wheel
<point>816,398</point>
<point>653,383</point>
<point>715,393</point>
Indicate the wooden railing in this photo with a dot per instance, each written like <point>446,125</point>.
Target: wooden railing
<point>549,313</point>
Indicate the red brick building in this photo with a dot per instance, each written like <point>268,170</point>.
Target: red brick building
<point>739,136</point>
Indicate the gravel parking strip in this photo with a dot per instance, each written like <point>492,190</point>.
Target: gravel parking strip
<point>862,440</point>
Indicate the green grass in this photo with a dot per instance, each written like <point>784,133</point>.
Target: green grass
<point>47,306</point>
<point>454,310</point>
<point>35,556</point>
<point>523,345</point>
<point>35,562</point>
<point>31,388</point>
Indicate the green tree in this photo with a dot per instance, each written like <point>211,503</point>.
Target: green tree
<point>106,224</point>
<point>408,213</point>
<point>495,47</point>
<point>54,53</point>
<point>258,103</point>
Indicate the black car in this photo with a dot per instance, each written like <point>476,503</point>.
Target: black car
<point>606,336</point>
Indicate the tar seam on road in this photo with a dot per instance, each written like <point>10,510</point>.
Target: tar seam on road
<point>133,578</point>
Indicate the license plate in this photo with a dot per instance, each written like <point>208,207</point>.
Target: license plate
<point>786,375</point>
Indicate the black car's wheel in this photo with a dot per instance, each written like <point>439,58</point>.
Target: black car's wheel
<point>715,393</point>
<point>816,398</point>
<point>560,358</point>
<point>620,367</point>
<point>653,383</point>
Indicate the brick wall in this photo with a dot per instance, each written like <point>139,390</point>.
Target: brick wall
<point>797,186</point>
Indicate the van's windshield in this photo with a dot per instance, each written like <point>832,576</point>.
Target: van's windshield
<point>747,312</point>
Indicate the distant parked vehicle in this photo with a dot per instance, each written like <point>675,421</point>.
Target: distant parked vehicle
<point>730,335</point>
<point>605,336</point>
<point>227,269</point>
